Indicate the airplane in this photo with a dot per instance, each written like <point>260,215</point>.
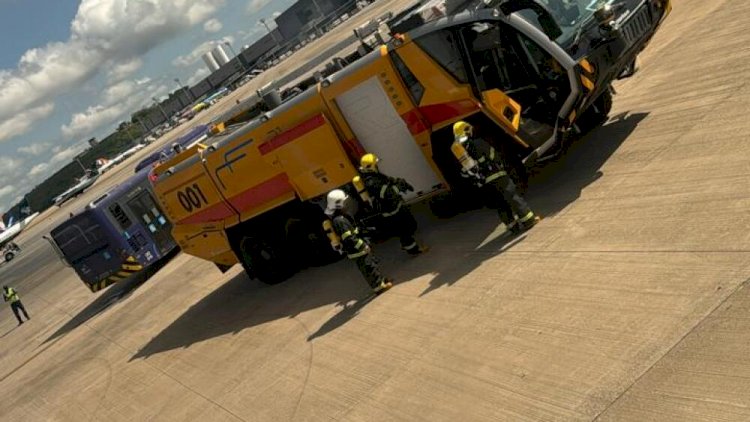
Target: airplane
<point>9,233</point>
<point>108,164</point>
<point>83,183</point>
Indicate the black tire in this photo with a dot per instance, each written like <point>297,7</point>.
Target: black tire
<point>265,261</point>
<point>597,113</point>
<point>9,256</point>
<point>309,243</point>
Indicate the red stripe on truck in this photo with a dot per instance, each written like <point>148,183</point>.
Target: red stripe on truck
<point>251,198</point>
<point>216,212</point>
<point>419,119</point>
<point>292,134</point>
<point>261,193</point>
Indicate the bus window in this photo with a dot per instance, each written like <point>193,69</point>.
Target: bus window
<point>152,218</point>
<point>81,239</point>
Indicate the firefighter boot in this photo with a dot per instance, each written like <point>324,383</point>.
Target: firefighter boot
<point>383,285</point>
<point>528,221</point>
<point>417,250</point>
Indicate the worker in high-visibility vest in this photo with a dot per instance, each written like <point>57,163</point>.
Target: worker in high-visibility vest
<point>347,238</point>
<point>10,295</point>
<point>483,165</point>
<point>385,195</point>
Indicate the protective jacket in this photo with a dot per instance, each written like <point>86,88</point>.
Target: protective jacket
<point>386,192</point>
<point>490,166</point>
<point>354,246</point>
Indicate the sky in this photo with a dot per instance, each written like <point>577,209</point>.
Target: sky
<point>74,69</point>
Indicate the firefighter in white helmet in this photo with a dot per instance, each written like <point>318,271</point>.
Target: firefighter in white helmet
<point>481,163</point>
<point>385,195</point>
<point>351,242</point>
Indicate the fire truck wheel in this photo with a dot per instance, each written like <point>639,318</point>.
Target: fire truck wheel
<point>265,261</point>
<point>597,113</point>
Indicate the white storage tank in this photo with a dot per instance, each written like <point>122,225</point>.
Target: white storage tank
<point>210,61</point>
<point>220,55</point>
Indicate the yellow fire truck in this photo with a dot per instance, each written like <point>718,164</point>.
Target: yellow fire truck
<point>525,73</point>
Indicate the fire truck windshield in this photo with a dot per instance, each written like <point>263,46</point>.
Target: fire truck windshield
<point>570,15</point>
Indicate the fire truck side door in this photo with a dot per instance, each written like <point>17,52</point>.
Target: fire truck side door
<point>516,85</point>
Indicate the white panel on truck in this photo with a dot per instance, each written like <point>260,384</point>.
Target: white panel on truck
<point>381,131</point>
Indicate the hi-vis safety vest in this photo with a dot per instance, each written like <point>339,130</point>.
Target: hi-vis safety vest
<point>11,296</point>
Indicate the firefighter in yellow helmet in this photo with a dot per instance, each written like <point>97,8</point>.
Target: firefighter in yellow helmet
<point>386,196</point>
<point>483,165</point>
<point>348,239</point>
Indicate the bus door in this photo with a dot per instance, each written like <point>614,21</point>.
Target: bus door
<point>150,215</point>
<point>506,64</point>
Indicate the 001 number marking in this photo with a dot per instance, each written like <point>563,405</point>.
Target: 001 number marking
<point>192,198</point>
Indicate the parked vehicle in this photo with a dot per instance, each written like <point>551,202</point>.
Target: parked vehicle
<point>117,236</point>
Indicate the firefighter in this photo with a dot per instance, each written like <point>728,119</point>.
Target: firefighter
<point>482,164</point>
<point>10,294</point>
<point>384,194</point>
<point>346,237</point>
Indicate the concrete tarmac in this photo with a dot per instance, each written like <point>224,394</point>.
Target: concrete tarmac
<point>627,302</point>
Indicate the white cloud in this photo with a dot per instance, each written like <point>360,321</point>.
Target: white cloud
<point>118,92</point>
<point>116,103</point>
<point>38,169</point>
<point>198,76</point>
<point>24,121</point>
<point>123,70</point>
<point>6,190</point>
<point>254,6</point>
<point>212,25</point>
<point>8,166</point>
<point>195,55</point>
<point>103,33</point>
<point>60,154</point>
<point>35,149</point>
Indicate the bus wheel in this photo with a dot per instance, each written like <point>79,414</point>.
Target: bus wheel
<point>265,261</point>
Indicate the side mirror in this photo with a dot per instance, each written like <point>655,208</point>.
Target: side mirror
<point>546,20</point>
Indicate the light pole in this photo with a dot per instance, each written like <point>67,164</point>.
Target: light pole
<point>234,53</point>
<point>320,17</point>
<point>184,89</point>
<point>143,126</point>
<point>268,28</point>
<point>158,104</point>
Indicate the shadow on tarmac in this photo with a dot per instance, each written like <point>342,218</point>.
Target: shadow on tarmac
<point>110,296</point>
<point>240,304</point>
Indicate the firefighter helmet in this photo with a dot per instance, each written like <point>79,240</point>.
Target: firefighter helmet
<point>462,130</point>
<point>369,163</point>
<point>335,200</point>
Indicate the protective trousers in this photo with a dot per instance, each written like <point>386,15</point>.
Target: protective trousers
<point>404,226</point>
<point>502,195</point>
<point>369,269</point>
<point>17,308</point>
